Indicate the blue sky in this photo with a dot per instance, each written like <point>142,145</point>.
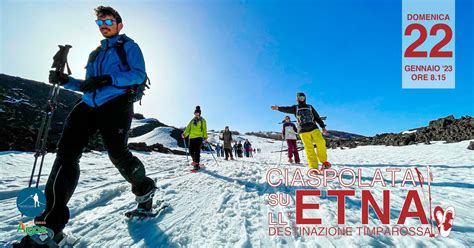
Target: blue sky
<point>237,58</point>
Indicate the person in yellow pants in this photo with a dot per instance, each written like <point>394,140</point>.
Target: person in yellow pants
<point>310,138</point>
<point>308,120</point>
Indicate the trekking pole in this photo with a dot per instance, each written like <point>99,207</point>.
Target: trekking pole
<point>303,151</point>
<point>210,149</point>
<point>186,149</point>
<point>59,63</point>
<point>281,151</point>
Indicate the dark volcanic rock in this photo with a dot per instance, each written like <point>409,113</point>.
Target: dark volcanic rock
<point>21,105</point>
<point>156,148</point>
<point>471,145</point>
<point>447,129</point>
<point>138,116</point>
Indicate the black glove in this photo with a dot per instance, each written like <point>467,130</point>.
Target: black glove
<point>56,77</point>
<point>94,83</point>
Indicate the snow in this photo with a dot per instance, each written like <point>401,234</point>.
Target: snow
<point>409,131</point>
<point>12,100</point>
<point>159,135</point>
<point>225,205</point>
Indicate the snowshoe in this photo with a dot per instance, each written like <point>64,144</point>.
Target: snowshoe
<point>196,168</point>
<point>141,213</point>
<point>326,165</point>
<point>66,240</point>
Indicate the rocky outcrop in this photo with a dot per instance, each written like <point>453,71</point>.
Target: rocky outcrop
<point>471,145</point>
<point>447,129</point>
<point>154,148</point>
<point>21,105</point>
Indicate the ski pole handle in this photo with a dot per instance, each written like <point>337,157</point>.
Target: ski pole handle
<point>60,59</point>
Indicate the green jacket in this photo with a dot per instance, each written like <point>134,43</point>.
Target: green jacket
<point>196,129</point>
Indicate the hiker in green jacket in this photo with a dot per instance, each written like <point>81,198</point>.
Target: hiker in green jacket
<point>197,133</point>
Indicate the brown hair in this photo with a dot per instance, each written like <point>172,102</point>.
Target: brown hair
<point>107,10</point>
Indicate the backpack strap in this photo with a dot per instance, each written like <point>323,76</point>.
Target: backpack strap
<point>93,55</point>
<point>120,48</point>
<point>311,111</point>
<point>296,114</point>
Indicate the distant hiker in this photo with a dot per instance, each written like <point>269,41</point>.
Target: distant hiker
<point>289,134</point>
<point>307,117</point>
<point>240,149</point>
<point>247,147</point>
<point>197,132</point>
<point>227,138</point>
<point>218,149</point>
<point>235,149</point>
<point>107,107</point>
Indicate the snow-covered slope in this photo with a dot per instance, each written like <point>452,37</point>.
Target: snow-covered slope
<point>161,135</point>
<point>225,205</point>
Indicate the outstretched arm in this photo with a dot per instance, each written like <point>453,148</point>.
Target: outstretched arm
<point>187,131</point>
<point>288,109</point>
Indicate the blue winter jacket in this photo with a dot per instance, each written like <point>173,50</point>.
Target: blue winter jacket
<point>108,62</point>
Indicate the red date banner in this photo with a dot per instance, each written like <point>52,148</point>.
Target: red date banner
<point>428,43</point>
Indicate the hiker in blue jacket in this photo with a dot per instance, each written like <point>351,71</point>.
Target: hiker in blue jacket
<point>218,149</point>
<point>113,72</point>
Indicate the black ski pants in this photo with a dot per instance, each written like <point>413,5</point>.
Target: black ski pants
<point>195,149</point>
<point>113,121</point>
<point>228,153</point>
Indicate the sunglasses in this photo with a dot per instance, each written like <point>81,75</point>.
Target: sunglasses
<point>301,98</point>
<point>108,22</point>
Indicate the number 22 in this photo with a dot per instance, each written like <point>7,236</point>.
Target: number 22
<point>435,51</point>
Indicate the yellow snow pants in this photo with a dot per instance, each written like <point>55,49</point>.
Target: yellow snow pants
<point>310,138</point>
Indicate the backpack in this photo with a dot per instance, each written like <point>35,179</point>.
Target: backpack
<point>136,91</point>
<point>304,115</point>
<point>290,132</point>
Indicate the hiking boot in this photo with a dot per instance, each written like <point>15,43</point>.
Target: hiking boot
<point>145,202</point>
<point>290,161</point>
<point>146,206</point>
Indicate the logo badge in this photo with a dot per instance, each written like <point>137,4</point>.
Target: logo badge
<point>31,202</point>
<point>444,220</point>
<point>31,229</point>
